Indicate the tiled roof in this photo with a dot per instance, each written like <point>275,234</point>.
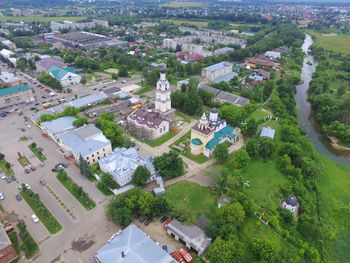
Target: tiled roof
<point>150,118</point>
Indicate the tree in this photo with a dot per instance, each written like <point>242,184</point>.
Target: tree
<point>169,165</point>
<point>263,250</point>
<point>140,176</point>
<point>111,130</point>
<point>145,203</point>
<point>80,121</point>
<point>123,72</point>
<point>253,148</point>
<point>266,147</point>
<point>232,213</point>
<point>251,127</point>
<point>107,181</point>
<point>22,63</point>
<point>2,156</point>
<point>224,251</point>
<point>83,166</point>
<point>122,216</point>
<point>241,159</point>
<point>221,152</point>
<point>160,206</point>
<point>83,80</point>
<point>115,76</point>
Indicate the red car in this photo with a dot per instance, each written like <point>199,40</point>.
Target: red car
<point>176,255</point>
<point>32,168</point>
<point>165,225</point>
<point>187,257</point>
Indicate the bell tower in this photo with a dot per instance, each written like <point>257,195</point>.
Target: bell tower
<point>163,100</point>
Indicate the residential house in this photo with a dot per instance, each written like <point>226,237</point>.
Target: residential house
<point>267,132</point>
<point>291,203</point>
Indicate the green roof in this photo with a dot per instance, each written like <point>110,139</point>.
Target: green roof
<point>15,89</point>
<point>227,131</point>
<point>58,73</point>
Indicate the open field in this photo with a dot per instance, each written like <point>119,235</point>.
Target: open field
<point>40,18</point>
<point>334,184</point>
<point>192,198</point>
<point>258,115</point>
<point>112,70</point>
<point>333,42</point>
<point>184,4</point>
<point>187,22</point>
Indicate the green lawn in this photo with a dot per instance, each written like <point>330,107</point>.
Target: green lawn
<point>38,207</point>
<point>144,89</point>
<point>37,18</point>
<point>192,198</point>
<point>258,115</point>
<point>37,152</point>
<point>29,246</point>
<point>334,185</point>
<point>14,240</point>
<point>157,142</point>
<point>339,43</point>
<point>71,186</point>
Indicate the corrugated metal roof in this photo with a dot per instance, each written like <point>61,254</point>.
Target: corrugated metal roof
<point>12,90</point>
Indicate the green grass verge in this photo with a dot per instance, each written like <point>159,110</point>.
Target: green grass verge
<point>7,170</point>
<point>35,150</point>
<point>191,198</point>
<point>38,207</point>
<point>157,142</point>
<point>29,246</point>
<point>14,240</point>
<point>37,18</point>
<point>72,187</point>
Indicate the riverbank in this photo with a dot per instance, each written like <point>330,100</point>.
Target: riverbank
<point>306,118</point>
<point>335,144</point>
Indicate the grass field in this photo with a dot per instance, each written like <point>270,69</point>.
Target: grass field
<point>112,70</point>
<point>144,89</point>
<point>176,4</point>
<point>7,171</point>
<point>333,42</point>
<point>162,139</point>
<point>334,185</point>
<point>40,18</point>
<point>192,198</point>
<point>187,22</point>
<point>258,115</point>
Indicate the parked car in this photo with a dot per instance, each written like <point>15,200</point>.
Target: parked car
<point>2,196</point>
<point>163,218</point>
<point>35,218</point>
<point>147,221</point>
<point>22,129</point>
<point>27,171</point>
<point>2,176</point>
<point>42,182</point>
<point>142,218</point>
<point>8,179</point>
<point>25,185</point>
<point>137,216</point>
<point>19,198</point>
<point>32,168</point>
<point>13,178</point>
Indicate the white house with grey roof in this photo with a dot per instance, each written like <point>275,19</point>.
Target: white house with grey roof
<point>58,126</point>
<point>87,141</point>
<point>132,245</point>
<point>291,203</point>
<point>194,237</point>
<point>122,163</point>
<point>267,132</point>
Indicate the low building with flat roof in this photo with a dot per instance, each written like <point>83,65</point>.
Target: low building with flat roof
<point>267,132</point>
<point>194,237</point>
<point>132,245</point>
<point>86,141</point>
<point>217,71</point>
<point>8,79</point>
<point>15,96</point>
<point>58,126</point>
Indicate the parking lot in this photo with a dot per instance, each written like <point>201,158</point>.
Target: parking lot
<point>80,237</point>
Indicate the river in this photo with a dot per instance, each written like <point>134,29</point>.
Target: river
<point>306,119</point>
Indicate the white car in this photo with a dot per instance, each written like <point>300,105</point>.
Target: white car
<point>35,218</point>
<point>29,126</point>
<point>2,176</point>
<point>2,196</point>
